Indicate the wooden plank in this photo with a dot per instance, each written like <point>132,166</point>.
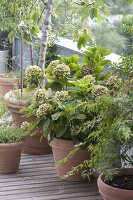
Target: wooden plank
<point>37,180</point>
<point>52,195</point>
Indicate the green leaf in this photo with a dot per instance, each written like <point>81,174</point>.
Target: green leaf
<point>35,16</point>
<point>56,86</point>
<point>30,88</point>
<point>61,130</point>
<point>79,116</point>
<point>55,116</point>
<point>47,127</point>
<point>46,124</point>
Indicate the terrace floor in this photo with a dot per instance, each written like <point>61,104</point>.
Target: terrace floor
<point>37,180</point>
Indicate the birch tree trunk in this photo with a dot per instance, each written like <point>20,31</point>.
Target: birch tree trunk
<point>45,29</point>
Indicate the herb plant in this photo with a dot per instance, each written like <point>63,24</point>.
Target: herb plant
<point>10,134</point>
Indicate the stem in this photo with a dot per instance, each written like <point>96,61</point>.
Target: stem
<point>31,52</point>
<point>13,53</point>
<point>45,28</point>
<point>22,64</point>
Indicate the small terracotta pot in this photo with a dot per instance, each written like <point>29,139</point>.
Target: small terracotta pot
<point>111,193</point>
<point>10,155</point>
<point>7,84</point>
<point>60,149</point>
<point>32,144</point>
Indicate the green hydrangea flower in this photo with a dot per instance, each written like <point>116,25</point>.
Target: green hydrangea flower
<point>61,70</point>
<point>40,96</point>
<point>86,69</point>
<point>114,82</point>
<point>99,90</point>
<point>33,73</point>
<point>91,79</point>
<point>43,110</point>
<point>62,96</point>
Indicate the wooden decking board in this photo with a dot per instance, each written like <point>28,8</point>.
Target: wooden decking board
<point>37,180</point>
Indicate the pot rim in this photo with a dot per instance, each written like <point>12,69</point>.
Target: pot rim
<point>62,143</point>
<point>12,100</point>
<point>12,143</point>
<point>100,179</point>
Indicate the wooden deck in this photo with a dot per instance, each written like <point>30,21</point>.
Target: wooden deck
<point>37,180</point>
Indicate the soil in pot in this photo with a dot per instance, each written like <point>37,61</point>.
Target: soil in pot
<point>60,149</point>
<point>122,182</point>
<point>32,144</point>
<point>10,155</point>
<point>120,188</point>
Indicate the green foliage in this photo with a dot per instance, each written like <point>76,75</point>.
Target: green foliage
<point>75,24</point>
<point>12,12</point>
<point>11,74</point>
<point>125,68</point>
<point>111,38</point>
<point>127,31</point>
<point>113,139</point>
<point>9,134</point>
<point>2,106</point>
<point>95,56</point>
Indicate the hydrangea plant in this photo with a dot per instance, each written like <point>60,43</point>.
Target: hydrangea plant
<point>71,106</point>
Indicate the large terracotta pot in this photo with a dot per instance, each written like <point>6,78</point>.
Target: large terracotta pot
<point>10,155</point>
<point>7,84</point>
<point>111,193</point>
<point>32,144</point>
<point>60,149</point>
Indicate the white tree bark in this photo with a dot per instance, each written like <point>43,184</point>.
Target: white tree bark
<point>45,30</point>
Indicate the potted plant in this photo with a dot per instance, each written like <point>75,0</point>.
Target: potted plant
<point>111,149</point>
<point>17,104</point>
<point>11,142</point>
<point>118,180</point>
<point>64,115</point>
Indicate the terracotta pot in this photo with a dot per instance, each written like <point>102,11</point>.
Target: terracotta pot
<point>7,84</point>
<point>111,193</point>
<point>60,149</point>
<point>35,145</point>
<point>32,144</point>
<point>10,155</point>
